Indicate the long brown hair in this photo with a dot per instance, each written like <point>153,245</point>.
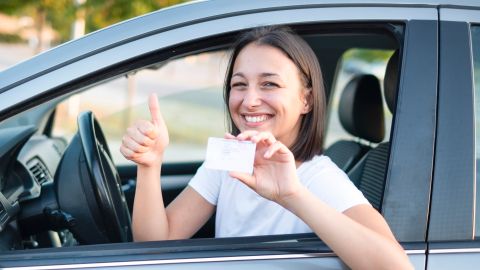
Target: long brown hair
<point>309,141</point>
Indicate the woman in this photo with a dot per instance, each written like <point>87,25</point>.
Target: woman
<point>275,98</point>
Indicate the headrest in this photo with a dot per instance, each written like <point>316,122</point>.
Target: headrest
<point>390,81</point>
<point>361,109</point>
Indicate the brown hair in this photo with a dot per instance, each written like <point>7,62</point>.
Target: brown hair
<point>310,143</point>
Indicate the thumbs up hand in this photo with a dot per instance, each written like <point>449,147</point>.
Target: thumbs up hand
<point>145,141</point>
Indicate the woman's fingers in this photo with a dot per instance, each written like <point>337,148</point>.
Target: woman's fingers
<point>276,147</point>
<point>155,114</point>
<point>142,133</point>
<point>131,144</point>
<point>229,136</point>
<point>246,135</point>
<point>157,119</point>
<point>271,150</point>
<point>127,153</point>
<point>265,137</point>
<point>146,140</point>
<point>257,137</point>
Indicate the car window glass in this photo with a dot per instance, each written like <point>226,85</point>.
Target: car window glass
<point>355,62</point>
<point>476,72</point>
<point>190,97</point>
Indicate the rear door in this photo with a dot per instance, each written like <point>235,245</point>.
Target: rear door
<point>454,225</point>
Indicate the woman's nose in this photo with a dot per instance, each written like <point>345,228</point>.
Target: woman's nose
<point>252,98</point>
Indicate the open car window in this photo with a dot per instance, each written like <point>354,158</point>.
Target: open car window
<point>353,63</point>
<point>190,95</point>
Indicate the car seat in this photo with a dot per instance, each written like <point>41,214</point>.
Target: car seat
<point>369,173</point>
<point>361,115</point>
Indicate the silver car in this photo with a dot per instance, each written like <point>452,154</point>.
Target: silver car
<point>402,79</point>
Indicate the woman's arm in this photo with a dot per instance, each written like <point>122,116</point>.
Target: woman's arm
<point>144,144</point>
<point>180,220</point>
<point>359,235</point>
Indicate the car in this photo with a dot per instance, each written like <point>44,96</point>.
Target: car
<point>402,81</point>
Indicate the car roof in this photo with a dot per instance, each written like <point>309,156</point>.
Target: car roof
<point>177,16</point>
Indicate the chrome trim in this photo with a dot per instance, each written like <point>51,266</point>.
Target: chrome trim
<point>173,261</point>
<point>415,251</point>
<point>459,15</point>
<point>178,261</point>
<point>454,250</point>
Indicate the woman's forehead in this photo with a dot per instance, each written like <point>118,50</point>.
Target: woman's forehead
<point>262,60</point>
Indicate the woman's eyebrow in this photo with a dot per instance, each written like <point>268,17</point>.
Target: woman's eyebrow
<point>268,74</point>
<point>239,74</point>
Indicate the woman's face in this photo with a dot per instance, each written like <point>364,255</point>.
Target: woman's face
<point>267,93</point>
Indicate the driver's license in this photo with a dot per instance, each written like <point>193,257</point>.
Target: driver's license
<point>230,155</point>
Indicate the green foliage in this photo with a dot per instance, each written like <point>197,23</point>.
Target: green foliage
<point>101,13</point>
<point>9,38</point>
<point>60,14</point>
<point>368,55</point>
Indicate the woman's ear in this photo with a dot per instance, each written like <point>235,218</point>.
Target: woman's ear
<point>307,101</point>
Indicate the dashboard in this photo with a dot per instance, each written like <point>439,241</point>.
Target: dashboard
<point>28,163</point>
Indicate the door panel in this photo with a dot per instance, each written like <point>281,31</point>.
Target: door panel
<point>452,220</point>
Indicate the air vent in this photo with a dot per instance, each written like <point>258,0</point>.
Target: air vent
<point>39,171</point>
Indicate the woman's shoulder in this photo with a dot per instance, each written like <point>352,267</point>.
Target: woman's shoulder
<point>319,162</point>
<point>321,166</point>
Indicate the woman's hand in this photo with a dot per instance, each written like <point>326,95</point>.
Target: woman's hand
<point>144,143</point>
<point>274,174</point>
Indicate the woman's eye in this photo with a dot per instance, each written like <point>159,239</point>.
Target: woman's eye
<point>238,85</point>
<point>270,85</point>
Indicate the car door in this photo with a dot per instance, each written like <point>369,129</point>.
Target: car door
<point>168,35</point>
<point>454,226</point>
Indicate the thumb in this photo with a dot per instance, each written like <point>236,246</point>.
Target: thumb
<point>154,109</point>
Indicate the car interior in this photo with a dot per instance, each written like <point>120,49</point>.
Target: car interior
<point>61,192</point>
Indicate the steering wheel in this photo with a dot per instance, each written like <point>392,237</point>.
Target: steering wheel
<point>89,187</point>
<point>105,178</point>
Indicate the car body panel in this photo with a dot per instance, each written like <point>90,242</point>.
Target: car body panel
<point>452,215</point>
<point>407,190</point>
<point>159,255</point>
<point>425,142</point>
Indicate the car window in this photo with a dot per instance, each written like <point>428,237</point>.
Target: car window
<point>354,62</point>
<point>190,96</point>
<point>476,73</point>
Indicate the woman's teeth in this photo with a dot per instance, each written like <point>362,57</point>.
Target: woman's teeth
<point>256,119</point>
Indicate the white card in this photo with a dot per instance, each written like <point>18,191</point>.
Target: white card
<point>230,155</point>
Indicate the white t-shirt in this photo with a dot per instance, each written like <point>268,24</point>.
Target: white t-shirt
<point>242,212</point>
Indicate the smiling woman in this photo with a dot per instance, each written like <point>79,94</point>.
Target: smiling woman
<point>267,101</point>
<point>273,101</point>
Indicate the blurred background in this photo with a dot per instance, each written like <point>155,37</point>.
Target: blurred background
<point>189,87</point>
<point>28,27</point>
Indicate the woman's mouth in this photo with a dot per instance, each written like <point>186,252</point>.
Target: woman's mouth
<point>256,119</point>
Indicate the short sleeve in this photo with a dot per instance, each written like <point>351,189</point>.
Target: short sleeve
<point>334,187</point>
<point>207,183</point>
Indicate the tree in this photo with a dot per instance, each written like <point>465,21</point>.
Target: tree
<point>60,14</point>
<point>102,13</point>
<point>57,13</point>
